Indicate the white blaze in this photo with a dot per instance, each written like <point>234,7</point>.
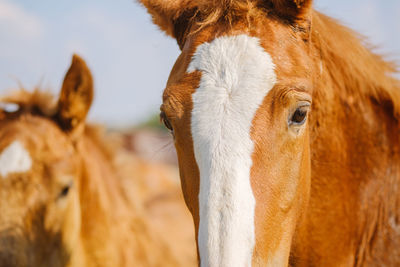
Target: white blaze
<point>237,73</point>
<point>14,158</point>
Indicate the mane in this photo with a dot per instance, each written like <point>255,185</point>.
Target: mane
<point>109,144</point>
<point>42,103</point>
<point>37,101</point>
<point>352,66</point>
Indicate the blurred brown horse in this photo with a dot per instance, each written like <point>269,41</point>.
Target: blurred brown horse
<point>287,132</point>
<point>68,199</point>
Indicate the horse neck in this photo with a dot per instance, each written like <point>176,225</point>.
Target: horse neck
<point>355,169</point>
<point>355,157</point>
<point>100,182</point>
<point>104,211</point>
<point>355,110</point>
<point>356,103</point>
<point>116,230</point>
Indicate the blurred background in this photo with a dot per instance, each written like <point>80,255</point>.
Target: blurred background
<point>129,57</point>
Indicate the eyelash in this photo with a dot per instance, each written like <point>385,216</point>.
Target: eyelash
<point>165,121</point>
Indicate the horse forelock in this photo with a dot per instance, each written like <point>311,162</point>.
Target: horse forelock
<point>36,101</point>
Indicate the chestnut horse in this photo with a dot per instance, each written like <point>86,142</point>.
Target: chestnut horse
<point>68,199</point>
<point>287,133</point>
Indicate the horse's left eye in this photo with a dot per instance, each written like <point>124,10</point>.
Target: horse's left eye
<point>299,116</point>
<point>165,121</point>
<point>64,191</point>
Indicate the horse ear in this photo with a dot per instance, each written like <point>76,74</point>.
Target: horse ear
<point>173,17</point>
<point>292,10</point>
<point>76,95</point>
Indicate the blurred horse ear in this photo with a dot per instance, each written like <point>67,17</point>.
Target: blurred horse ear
<point>173,17</point>
<point>292,10</point>
<point>76,95</point>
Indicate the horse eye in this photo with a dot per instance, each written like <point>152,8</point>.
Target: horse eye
<point>64,192</point>
<point>299,116</point>
<point>165,121</point>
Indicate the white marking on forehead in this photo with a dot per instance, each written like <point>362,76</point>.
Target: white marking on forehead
<point>237,74</point>
<point>14,158</point>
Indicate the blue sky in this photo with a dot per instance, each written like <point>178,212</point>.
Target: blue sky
<point>129,57</point>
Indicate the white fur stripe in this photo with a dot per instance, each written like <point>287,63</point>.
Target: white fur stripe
<point>237,74</point>
<point>14,159</point>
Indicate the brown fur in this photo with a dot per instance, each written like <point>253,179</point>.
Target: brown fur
<point>117,211</point>
<point>330,196</point>
<point>177,17</point>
